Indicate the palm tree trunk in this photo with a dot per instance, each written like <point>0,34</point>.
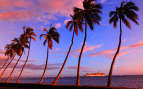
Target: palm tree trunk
<point>79,60</point>
<point>114,58</point>
<point>13,69</point>
<point>24,63</point>
<point>43,75</point>
<point>58,76</point>
<point>6,68</point>
<point>4,64</point>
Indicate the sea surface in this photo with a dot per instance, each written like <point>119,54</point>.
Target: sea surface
<point>131,81</point>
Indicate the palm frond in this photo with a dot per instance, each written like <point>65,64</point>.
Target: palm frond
<point>34,34</point>
<point>44,43</point>
<point>42,35</point>
<point>114,20</point>
<point>75,29</point>
<point>68,24</point>
<point>126,22</point>
<point>33,38</point>
<point>56,36</point>
<point>50,44</point>
<point>112,13</point>
<point>131,5</point>
<point>71,27</point>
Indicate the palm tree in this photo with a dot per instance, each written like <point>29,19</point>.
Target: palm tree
<point>7,52</point>
<point>28,35</point>
<point>11,50</point>
<point>49,36</point>
<point>72,24</point>
<point>22,44</point>
<point>122,13</point>
<point>90,16</point>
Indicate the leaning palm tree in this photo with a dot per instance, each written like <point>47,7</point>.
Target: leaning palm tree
<point>123,13</point>
<point>8,52</point>
<point>11,50</point>
<point>49,36</point>
<point>23,45</point>
<point>29,34</point>
<point>71,25</point>
<point>89,16</point>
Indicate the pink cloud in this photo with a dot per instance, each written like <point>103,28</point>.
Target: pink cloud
<point>37,67</point>
<point>13,9</point>
<point>139,44</point>
<point>58,25</point>
<point>2,51</point>
<point>120,54</point>
<point>112,51</point>
<point>75,52</point>
<point>6,4</point>
<point>83,68</point>
<point>63,7</point>
<point>16,15</point>
<point>3,58</point>
<point>87,48</point>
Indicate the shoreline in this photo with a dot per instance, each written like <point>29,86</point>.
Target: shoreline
<point>45,86</point>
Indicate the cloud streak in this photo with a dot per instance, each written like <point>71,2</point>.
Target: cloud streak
<point>87,48</point>
<point>110,52</point>
<point>83,68</point>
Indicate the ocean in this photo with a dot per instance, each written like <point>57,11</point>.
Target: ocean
<point>131,81</point>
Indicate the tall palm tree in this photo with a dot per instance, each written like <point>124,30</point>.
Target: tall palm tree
<point>123,13</point>
<point>49,36</point>
<point>23,44</point>
<point>30,35</point>
<point>90,16</point>
<point>72,24</point>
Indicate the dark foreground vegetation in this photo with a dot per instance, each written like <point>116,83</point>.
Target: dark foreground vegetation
<point>41,86</point>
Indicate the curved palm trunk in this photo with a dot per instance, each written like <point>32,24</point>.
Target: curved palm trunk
<point>9,77</point>
<point>24,63</point>
<point>114,58</point>
<point>43,75</point>
<point>79,60</point>
<point>58,76</point>
<point>6,68</point>
<point>4,64</point>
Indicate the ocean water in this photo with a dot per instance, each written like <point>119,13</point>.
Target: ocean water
<point>124,81</point>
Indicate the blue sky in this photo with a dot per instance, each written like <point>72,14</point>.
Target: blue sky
<point>100,46</point>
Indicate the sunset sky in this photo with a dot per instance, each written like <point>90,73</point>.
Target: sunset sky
<point>100,46</point>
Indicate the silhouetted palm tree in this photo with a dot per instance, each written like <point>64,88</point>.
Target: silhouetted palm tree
<point>23,45</point>
<point>75,25</point>
<point>11,50</point>
<point>49,36</point>
<point>29,34</point>
<point>89,16</point>
<point>123,13</point>
<point>8,53</point>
